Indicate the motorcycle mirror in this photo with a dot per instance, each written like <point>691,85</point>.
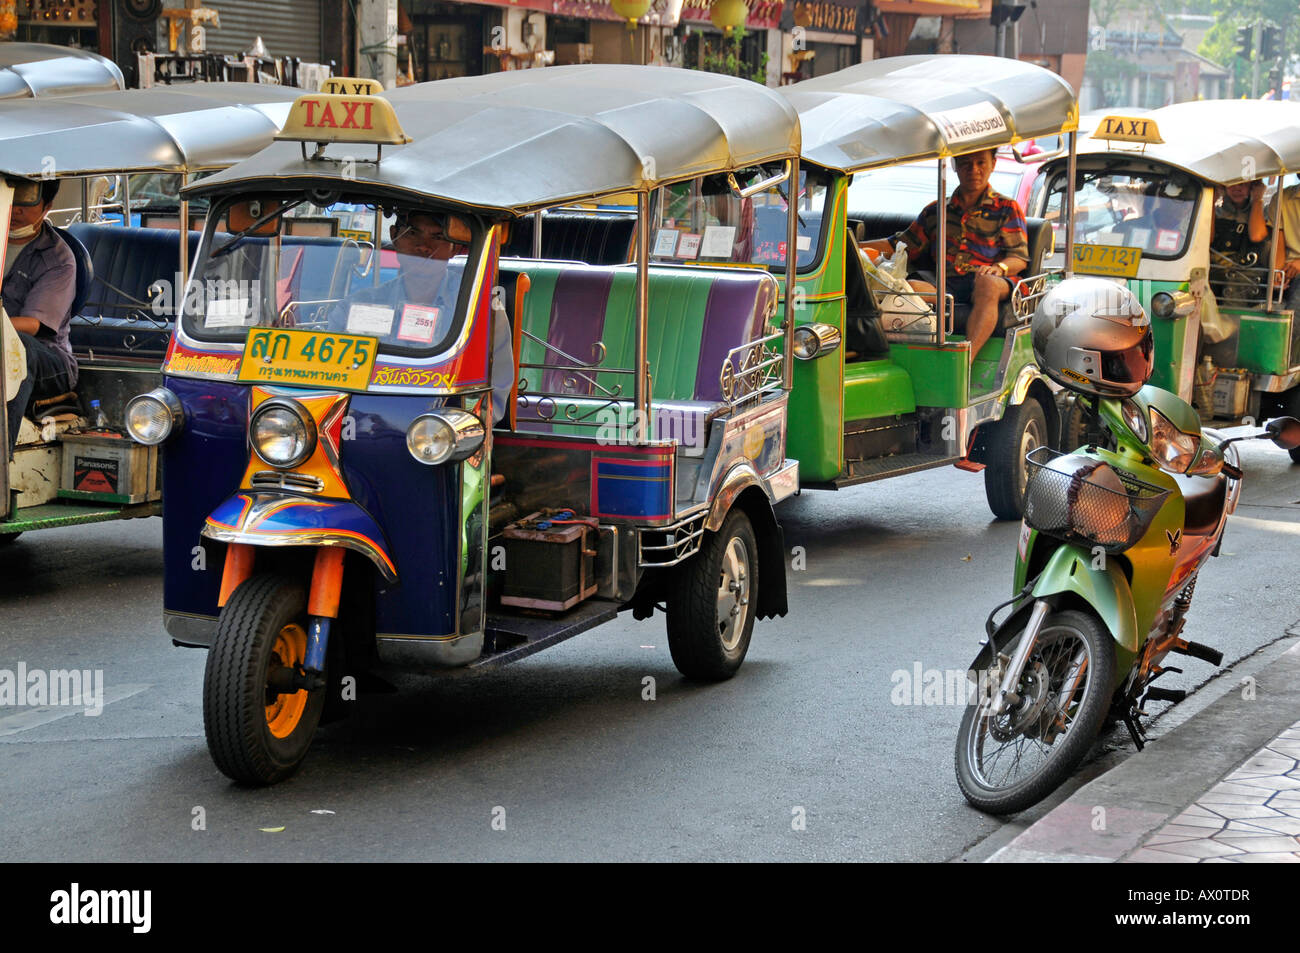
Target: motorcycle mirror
<point>1284,431</point>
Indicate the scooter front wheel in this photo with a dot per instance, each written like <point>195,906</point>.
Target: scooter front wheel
<point>258,734</point>
<point>1013,759</point>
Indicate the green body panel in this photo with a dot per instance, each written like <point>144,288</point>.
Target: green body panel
<point>1069,569</point>
<point>1264,346</point>
<point>816,432</point>
<point>940,373</point>
<point>877,389</point>
<point>1170,335</point>
<point>54,515</point>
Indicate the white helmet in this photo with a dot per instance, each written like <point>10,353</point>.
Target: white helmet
<point>1091,335</point>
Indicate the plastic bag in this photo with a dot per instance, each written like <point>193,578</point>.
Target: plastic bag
<point>15,358</point>
<point>887,279</point>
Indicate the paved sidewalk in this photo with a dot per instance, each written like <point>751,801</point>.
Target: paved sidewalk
<point>1224,787</point>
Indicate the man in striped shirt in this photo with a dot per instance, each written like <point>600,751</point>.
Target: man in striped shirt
<point>987,245</point>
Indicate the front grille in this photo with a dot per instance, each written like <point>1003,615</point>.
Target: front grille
<point>288,480</point>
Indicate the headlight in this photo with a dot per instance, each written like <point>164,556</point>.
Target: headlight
<point>1179,304</point>
<point>814,340</point>
<point>448,434</point>
<point>1136,420</point>
<point>1173,449</point>
<point>151,417</point>
<point>282,432</point>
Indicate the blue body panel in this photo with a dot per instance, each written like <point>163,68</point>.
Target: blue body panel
<point>415,507</point>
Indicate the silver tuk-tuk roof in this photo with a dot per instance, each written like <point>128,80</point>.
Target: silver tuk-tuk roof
<point>39,69</point>
<point>1224,141</point>
<point>921,107</point>
<point>525,140</point>
<point>163,129</point>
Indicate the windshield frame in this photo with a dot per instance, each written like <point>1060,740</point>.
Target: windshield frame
<point>213,241</point>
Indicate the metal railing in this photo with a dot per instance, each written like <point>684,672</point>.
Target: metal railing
<point>751,370</point>
<point>664,546</point>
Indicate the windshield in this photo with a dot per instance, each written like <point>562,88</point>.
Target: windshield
<point>705,220</point>
<point>284,262</point>
<point>1148,210</point>
<point>906,189</point>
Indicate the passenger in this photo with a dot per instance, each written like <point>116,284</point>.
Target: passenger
<point>988,245</point>
<point>1240,235</point>
<point>1288,248</point>
<point>40,282</point>
<point>424,252</point>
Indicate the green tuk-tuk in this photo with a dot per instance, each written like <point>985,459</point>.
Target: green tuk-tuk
<point>883,385</point>
<point>1144,195</point>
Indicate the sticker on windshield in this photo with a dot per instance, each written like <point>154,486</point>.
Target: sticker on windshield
<point>1168,239</point>
<point>965,123</point>
<point>370,319</point>
<point>718,241</point>
<point>689,245</point>
<point>1139,237</point>
<point>226,313</point>
<point>665,242</point>
<point>803,242</point>
<point>418,324</point>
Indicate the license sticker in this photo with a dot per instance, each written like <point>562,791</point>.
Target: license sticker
<point>1023,546</point>
<point>803,242</point>
<point>718,241</point>
<point>370,319</point>
<point>418,324</point>
<point>689,245</point>
<point>665,242</point>
<point>1168,239</point>
<point>1140,237</point>
<point>226,313</point>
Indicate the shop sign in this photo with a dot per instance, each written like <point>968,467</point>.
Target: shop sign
<point>826,17</point>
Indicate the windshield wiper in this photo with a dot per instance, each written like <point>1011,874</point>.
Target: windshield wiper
<point>229,246</point>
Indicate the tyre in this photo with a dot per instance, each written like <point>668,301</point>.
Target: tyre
<point>712,603</point>
<point>1023,428</point>
<point>1295,454</point>
<point>1010,761</point>
<point>255,734</point>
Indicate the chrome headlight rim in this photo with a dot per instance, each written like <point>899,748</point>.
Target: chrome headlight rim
<point>305,419</point>
<point>464,435</point>
<point>168,402</point>
<point>815,340</point>
<point>1172,304</point>
<point>1135,417</point>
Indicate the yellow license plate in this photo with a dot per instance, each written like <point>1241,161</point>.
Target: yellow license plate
<point>1113,261</point>
<point>308,359</point>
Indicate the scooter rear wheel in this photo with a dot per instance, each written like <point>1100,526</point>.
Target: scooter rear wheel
<point>255,734</point>
<point>1010,761</point>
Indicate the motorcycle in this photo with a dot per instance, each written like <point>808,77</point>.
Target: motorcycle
<point>1110,548</point>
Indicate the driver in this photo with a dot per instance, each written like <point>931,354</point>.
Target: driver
<point>416,307</point>
<point>40,282</point>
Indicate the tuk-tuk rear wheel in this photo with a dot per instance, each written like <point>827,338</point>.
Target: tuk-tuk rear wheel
<point>255,734</point>
<point>712,603</point>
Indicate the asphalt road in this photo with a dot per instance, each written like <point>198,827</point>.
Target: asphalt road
<point>808,754</point>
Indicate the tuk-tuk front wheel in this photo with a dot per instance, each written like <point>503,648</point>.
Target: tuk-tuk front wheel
<point>712,603</point>
<point>1006,474</point>
<point>258,734</point>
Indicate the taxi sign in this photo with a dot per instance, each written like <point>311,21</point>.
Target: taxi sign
<point>351,86</point>
<point>308,359</point>
<point>338,117</point>
<point>1128,129</point>
<point>1110,261</point>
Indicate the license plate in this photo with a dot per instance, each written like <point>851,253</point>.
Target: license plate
<point>308,359</point>
<point>1113,261</point>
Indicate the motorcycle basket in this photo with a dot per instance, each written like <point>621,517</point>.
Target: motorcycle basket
<point>1071,506</point>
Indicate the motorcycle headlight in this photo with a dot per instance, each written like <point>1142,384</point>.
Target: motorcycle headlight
<point>1173,449</point>
<point>814,340</point>
<point>283,434</point>
<point>151,418</point>
<point>442,435</point>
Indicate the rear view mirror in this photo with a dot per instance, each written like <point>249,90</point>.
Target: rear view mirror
<point>1284,431</point>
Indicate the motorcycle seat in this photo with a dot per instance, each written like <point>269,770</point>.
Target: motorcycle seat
<point>1204,499</point>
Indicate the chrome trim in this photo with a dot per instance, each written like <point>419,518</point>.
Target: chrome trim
<point>415,652</point>
<point>828,339</point>
<point>784,483</point>
<point>1275,383</point>
<point>321,538</point>
<point>757,187</point>
<point>740,478</point>
<point>681,542</point>
<point>192,630</point>
<point>467,434</point>
<point>1180,304</point>
<point>299,411</point>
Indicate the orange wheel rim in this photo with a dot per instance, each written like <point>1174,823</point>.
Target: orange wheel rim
<point>284,713</point>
